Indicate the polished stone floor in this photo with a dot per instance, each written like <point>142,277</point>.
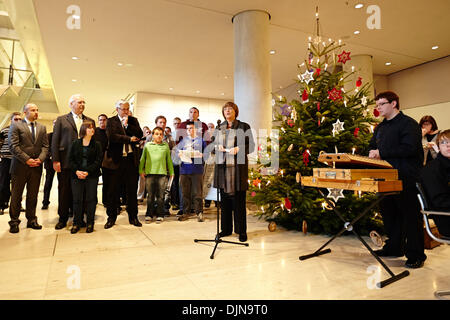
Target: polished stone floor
<point>161,261</point>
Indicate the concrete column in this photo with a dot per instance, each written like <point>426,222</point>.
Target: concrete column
<point>363,68</point>
<point>252,75</point>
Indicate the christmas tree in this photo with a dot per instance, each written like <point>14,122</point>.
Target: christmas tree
<point>325,118</point>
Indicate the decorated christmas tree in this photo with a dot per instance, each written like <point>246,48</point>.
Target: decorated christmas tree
<point>325,118</point>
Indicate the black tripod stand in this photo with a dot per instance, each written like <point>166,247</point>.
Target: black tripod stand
<point>218,240</point>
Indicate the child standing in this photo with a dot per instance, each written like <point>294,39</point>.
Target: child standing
<point>190,150</point>
<point>154,165</point>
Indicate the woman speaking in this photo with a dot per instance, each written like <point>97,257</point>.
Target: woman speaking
<point>233,141</point>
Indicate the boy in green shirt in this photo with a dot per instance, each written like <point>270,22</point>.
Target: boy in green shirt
<point>155,161</point>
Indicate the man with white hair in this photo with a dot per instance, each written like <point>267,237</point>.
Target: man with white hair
<point>66,130</point>
<point>124,134</point>
<point>28,144</point>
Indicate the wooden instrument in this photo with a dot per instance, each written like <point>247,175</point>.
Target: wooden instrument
<point>345,160</point>
<point>355,185</point>
<point>364,180</point>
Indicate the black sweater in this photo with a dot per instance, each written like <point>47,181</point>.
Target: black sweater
<point>399,142</point>
<point>435,179</point>
<point>94,158</point>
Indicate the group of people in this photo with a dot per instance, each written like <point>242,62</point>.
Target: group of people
<point>170,168</point>
<point>421,154</point>
<point>132,162</point>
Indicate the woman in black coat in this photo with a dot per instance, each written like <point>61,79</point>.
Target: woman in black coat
<point>85,159</point>
<point>435,179</point>
<point>233,141</point>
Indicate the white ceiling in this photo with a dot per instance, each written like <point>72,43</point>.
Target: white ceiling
<point>187,45</point>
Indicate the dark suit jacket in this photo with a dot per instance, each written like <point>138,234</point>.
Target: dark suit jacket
<point>118,136</point>
<point>22,147</point>
<point>64,133</point>
<point>48,163</point>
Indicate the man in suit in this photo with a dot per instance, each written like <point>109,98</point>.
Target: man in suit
<point>124,133</point>
<point>49,172</point>
<point>5,164</point>
<point>28,144</point>
<point>65,131</point>
<point>100,136</point>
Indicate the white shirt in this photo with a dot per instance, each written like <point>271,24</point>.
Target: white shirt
<point>78,121</point>
<point>125,151</point>
<point>29,126</point>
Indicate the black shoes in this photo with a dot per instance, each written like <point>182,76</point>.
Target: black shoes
<point>224,234</point>
<point>60,225</point>
<point>135,222</point>
<point>14,228</point>
<point>109,224</point>
<point>243,237</point>
<point>34,225</point>
<point>414,264</point>
<point>75,229</point>
<point>44,207</point>
<point>90,228</point>
<point>384,253</point>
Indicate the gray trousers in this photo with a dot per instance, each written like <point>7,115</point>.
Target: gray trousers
<point>31,177</point>
<point>191,188</point>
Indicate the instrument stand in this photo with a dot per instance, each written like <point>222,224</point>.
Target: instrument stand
<point>348,226</point>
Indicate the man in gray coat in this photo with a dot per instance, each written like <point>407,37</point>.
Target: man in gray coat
<point>28,144</point>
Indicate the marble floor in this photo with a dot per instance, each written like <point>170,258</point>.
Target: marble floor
<point>161,261</point>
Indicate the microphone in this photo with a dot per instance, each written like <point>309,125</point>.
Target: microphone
<point>218,123</point>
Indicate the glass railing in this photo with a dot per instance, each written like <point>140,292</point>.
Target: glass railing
<point>13,99</point>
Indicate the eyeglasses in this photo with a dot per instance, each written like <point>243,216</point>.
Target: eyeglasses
<point>382,104</point>
<point>17,119</point>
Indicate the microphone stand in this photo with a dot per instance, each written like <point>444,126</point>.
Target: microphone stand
<point>217,239</point>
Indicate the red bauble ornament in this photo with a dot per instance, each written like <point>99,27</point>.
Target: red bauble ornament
<point>355,133</point>
<point>376,113</point>
<point>318,106</point>
<point>253,193</point>
<point>317,73</point>
<point>256,182</point>
<point>335,94</point>
<point>359,82</point>
<point>305,157</point>
<point>305,95</point>
<point>344,57</point>
<point>287,203</point>
<point>290,123</point>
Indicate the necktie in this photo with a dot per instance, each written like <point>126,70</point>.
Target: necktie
<point>78,122</point>
<point>33,136</point>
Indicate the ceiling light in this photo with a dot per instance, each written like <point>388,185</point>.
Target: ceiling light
<point>198,91</point>
<point>75,58</point>
<point>359,6</point>
<point>4,13</point>
<point>120,64</point>
<point>74,80</point>
<point>222,94</point>
<point>356,32</point>
<point>434,47</point>
<point>170,89</point>
<point>272,51</point>
<point>388,63</point>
